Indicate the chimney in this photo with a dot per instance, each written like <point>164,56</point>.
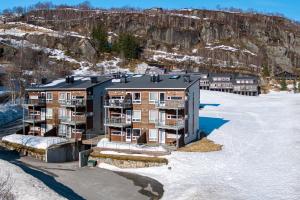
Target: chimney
<point>157,78</point>
<point>94,79</point>
<point>124,79</point>
<point>71,79</point>
<point>44,81</point>
<point>152,78</point>
<point>67,79</point>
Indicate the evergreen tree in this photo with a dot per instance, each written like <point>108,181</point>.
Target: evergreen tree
<point>99,38</point>
<point>127,46</point>
<point>283,84</point>
<point>265,71</point>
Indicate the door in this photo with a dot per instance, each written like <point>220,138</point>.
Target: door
<point>162,98</point>
<point>162,117</point>
<point>128,116</point>
<point>128,134</point>
<point>68,98</point>
<point>162,136</point>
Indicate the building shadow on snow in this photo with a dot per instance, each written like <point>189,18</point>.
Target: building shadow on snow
<point>48,180</point>
<point>203,105</point>
<point>209,124</point>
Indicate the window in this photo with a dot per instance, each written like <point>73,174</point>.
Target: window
<point>153,133</point>
<point>49,113</point>
<point>136,97</point>
<point>174,98</point>
<point>62,96</point>
<point>136,115</point>
<point>153,115</point>
<point>153,97</point>
<point>136,132</point>
<point>49,96</point>
<point>61,113</point>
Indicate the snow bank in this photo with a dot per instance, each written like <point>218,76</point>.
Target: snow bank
<point>104,143</point>
<point>26,187</point>
<point>175,57</point>
<point>9,112</point>
<point>34,141</point>
<point>260,158</point>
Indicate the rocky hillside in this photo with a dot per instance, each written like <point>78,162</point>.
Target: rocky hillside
<point>187,39</point>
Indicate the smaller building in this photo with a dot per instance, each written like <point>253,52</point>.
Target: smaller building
<point>246,85</point>
<point>285,75</point>
<point>221,82</point>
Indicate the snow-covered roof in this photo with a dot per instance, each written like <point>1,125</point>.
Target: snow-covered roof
<point>38,142</point>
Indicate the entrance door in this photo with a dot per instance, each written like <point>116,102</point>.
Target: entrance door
<point>162,98</point>
<point>162,136</point>
<point>162,117</point>
<point>128,134</point>
<point>128,116</point>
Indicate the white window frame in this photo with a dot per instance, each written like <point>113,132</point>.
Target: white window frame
<point>151,120</point>
<point>136,119</point>
<point>136,101</point>
<point>135,137</point>
<point>151,101</point>
<point>59,96</point>
<point>153,139</point>
<point>49,99</point>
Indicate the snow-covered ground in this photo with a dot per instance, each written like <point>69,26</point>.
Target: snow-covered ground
<point>260,158</point>
<point>26,187</point>
<point>9,112</point>
<point>38,142</point>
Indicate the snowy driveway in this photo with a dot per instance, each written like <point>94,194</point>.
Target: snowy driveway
<point>260,158</point>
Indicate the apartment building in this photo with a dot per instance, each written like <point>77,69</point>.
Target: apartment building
<point>153,109</point>
<point>232,83</point>
<point>70,107</point>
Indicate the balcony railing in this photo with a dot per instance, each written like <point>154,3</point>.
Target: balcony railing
<point>74,120</point>
<point>73,102</point>
<point>35,102</point>
<point>117,122</point>
<point>170,104</point>
<point>34,119</point>
<point>170,124</point>
<point>116,103</point>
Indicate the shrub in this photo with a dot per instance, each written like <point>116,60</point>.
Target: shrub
<point>265,71</point>
<point>128,46</point>
<point>283,84</point>
<point>99,39</point>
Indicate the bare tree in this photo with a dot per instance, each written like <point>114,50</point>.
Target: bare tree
<point>6,185</point>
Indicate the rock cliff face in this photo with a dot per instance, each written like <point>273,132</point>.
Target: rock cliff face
<point>195,39</point>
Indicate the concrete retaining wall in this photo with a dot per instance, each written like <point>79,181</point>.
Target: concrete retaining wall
<point>62,153</point>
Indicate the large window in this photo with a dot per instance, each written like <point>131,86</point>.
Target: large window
<point>153,97</point>
<point>136,133</point>
<point>153,134</point>
<point>62,96</point>
<point>136,115</point>
<point>49,96</point>
<point>136,97</point>
<point>49,113</point>
<point>153,116</point>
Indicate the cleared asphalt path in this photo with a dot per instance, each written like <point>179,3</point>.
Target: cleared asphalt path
<point>72,182</point>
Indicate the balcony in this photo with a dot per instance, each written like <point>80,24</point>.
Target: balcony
<point>73,103</point>
<point>119,122</point>
<point>35,102</point>
<point>34,119</point>
<point>170,104</point>
<point>74,120</point>
<point>170,124</point>
<point>117,103</point>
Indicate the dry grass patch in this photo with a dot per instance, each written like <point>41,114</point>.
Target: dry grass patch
<point>203,145</point>
<point>129,157</point>
<point>20,147</point>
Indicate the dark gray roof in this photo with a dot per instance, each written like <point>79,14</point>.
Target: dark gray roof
<point>80,83</point>
<point>144,82</point>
